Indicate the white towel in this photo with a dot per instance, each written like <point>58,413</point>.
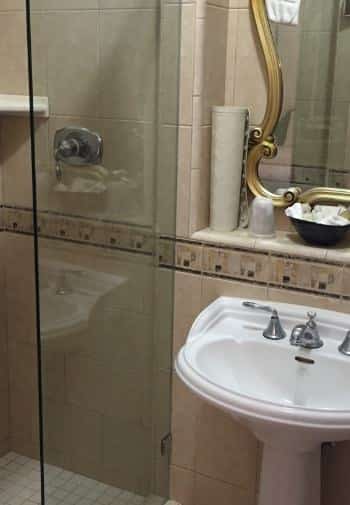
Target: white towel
<point>283,11</point>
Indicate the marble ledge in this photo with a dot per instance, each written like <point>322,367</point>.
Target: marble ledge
<point>285,243</point>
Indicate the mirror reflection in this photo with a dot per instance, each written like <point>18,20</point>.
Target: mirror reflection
<point>314,131</point>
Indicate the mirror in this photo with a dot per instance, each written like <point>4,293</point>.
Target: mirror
<point>304,153</point>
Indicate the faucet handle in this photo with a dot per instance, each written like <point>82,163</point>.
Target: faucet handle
<point>274,330</point>
<point>344,347</point>
<point>312,316</point>
<point>254,305</point>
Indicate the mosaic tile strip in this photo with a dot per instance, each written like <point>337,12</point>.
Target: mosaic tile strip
<point>266,268</point>
<point>101,233</point>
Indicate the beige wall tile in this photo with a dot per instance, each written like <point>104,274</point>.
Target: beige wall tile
<point>162,319</point>
<point>186,406</point>
<point>127,451</point>
<point>199,55</point>
<point>13,54</point>
<point>199,216</point>
<point>183,181</point>
<point>24,436</point>
<point>200,180</point>
<point>20,288</point>
<point>162,410</point>
<point>305,299</point>
<point>16,162</point>
<point>4,447</point>
<point>114,336</point>
<point>74,34</point>
<point>129,61</point>
<point>92,384</point>
<point>166,181</point>
<point>209,491</point>
<point>231,51</point>
<point>64,4</point>
<point>213,288</point>
<point>11,5</point>
<point>54,432</point>
<point>182,485</point>
<point>126,4</point>
<point>214,60</point>
<point>53,373</point>
<point>169,61</point>
<point>239,4</point>
<point>225,450</point>
<point>84,435</point>
<point>187,305</point>
<point>22,366</point>
<point>4,418</point>
<point>196,131</point>
<point>186,63</point>
<point>39,54</point>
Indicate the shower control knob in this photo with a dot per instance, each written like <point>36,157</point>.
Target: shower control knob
<point>78,146</point>
<point>68,148</point>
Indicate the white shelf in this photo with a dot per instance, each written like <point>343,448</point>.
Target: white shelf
<point>18,105</point>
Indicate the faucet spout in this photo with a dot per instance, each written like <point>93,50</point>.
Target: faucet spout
<point>307,335</point>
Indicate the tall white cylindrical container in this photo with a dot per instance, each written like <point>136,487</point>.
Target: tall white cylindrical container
<point>229,127</point>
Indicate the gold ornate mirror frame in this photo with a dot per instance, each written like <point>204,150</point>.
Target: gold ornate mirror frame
<point>261,141</point>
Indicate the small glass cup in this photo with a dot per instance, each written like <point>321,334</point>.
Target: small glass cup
<point>262,218</point>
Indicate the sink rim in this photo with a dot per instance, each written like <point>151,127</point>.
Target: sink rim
<point>248,406</point>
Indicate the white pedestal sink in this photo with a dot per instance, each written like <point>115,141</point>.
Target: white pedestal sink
<point>292,406</point>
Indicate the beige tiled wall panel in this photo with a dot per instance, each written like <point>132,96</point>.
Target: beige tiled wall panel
<point>13,54</point>
<point>21,328</point>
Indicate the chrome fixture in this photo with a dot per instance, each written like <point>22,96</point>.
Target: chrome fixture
<point>344,347</point>
<point>307,335</point>
<point>274,330</point>
<point>78,147</point>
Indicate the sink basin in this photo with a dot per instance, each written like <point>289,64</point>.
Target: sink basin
<point>292,399</point>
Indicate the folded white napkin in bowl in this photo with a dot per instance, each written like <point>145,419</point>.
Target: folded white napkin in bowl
<point>321,214</point>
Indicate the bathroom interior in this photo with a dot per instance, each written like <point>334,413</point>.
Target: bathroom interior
<point>161,163</point>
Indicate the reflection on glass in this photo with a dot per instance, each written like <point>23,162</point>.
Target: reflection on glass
<point>110,68</point>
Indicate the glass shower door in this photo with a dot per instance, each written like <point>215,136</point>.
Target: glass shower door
<point>104,181</point>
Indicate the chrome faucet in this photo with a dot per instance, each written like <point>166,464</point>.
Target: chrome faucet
<point>344,347</point>
<point>307,335</point>
<point>274,330</point>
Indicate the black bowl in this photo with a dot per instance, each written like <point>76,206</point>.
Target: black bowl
<point>319,234</point>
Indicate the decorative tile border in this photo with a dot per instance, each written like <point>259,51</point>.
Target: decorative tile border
<point>265,268</point>
<point>86,231</point>
<point>260,268</point>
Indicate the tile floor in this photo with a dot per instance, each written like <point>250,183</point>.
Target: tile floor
<point>20,485</point>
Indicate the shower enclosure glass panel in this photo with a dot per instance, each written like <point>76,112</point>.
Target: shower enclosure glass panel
<point>105,185</point>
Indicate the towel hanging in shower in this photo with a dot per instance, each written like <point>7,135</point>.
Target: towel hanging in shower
<point>283,11</point>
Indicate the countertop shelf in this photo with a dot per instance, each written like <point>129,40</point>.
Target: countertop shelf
<point>18,105</point>
<point>285,243</point>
